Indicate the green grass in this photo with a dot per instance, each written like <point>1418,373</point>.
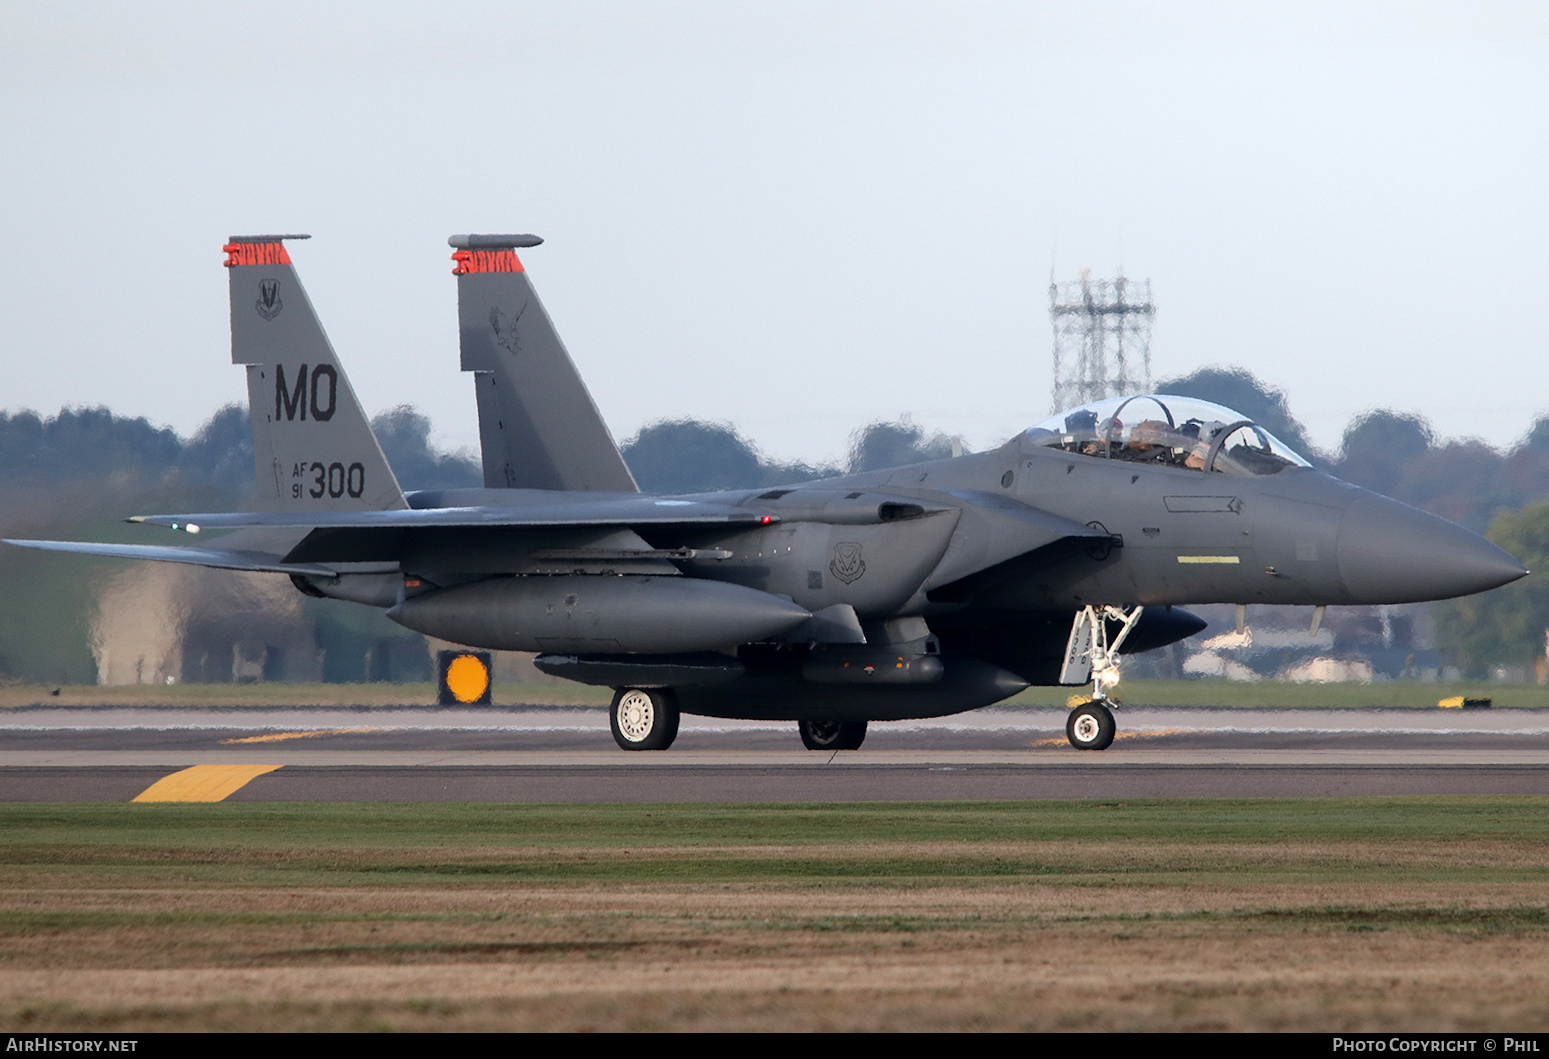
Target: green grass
<point>1154,842</point>
<point>1160,890</point>
<point>302,827</point>
<point>1107,847</point>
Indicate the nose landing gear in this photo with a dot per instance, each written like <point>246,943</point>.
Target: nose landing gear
<point>1091,655</point>
<point>1090,727</point>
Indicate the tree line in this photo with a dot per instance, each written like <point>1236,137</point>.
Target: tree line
<point>77,473</point>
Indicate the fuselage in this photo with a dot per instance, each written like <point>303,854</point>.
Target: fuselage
<point>914,540</point>
<point>989,554</point>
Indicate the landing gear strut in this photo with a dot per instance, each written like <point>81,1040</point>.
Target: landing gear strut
<point>1089,654</point>
<point>644,718</point>
<point>832,735</point>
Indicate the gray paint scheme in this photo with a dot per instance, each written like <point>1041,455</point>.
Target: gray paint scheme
<point>502,507</point>
<point>538,425</point>
<point>313,449</point>
<point>219,558</point>
<point>954,582</point>
<point>600,614</point>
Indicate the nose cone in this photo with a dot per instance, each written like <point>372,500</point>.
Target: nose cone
<point>1392,553</point>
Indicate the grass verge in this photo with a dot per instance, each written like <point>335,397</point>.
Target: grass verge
<point>1314,914</point>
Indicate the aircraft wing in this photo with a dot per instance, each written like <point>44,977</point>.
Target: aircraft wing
<point>994,530</point>
<point>220,558</point>
<point>353,537</point>
<point>571,510</point>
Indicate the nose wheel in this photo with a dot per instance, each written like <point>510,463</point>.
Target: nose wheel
<point>1090,727</point>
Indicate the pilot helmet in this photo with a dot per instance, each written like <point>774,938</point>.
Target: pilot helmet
<point>1081,421</point>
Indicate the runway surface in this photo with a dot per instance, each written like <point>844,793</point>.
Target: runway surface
<point>567,755</point>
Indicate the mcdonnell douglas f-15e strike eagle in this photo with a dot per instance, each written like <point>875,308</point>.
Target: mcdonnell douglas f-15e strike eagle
<point>915,592</point>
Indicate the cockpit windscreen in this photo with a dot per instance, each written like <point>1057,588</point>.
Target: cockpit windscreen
<point>1169,431</point>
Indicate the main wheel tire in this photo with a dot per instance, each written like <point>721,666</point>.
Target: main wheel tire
<point>832,735</point>
<point>1090,727</point>
<point>644,718</point>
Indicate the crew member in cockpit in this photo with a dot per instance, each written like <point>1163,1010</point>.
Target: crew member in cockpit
<point>1198,436</point>
<point>1151,441</point>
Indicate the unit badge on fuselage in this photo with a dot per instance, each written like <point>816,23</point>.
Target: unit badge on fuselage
<point>847,564</point>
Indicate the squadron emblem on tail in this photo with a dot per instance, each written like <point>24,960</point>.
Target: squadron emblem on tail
<point>268,303</point>
<point>505,330</point>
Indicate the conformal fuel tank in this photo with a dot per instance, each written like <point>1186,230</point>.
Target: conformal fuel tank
<point>580,614</point>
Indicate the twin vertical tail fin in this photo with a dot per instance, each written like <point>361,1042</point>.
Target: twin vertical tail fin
<point>312,444</point>
<point>538,425</point>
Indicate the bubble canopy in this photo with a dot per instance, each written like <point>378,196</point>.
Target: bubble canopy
<point>1170,431</point>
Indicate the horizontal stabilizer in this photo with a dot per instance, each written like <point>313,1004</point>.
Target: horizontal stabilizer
<point>221,559</point>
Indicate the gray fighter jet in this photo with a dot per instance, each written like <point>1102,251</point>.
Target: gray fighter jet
<point>915,592</point>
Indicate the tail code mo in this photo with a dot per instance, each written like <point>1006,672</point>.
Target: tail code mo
<point>321,396</point>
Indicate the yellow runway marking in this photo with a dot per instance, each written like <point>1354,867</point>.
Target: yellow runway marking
<point>1117,736</point>
<point>275,737</point>
<point>203,783</point>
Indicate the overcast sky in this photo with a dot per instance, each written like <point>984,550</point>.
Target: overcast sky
<point>796,217</point>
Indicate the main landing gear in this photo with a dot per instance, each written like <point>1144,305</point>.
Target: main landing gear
<point>832,735</point>
<point>644,718</point>
<point>1090,655</point>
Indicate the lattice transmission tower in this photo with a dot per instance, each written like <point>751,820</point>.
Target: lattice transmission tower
<point>1102,338</point>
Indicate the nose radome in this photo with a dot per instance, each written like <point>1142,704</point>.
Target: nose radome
<point>1393,553</point>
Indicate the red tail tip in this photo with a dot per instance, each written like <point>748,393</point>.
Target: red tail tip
<point>255,254</point>
<point>486,261</point>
